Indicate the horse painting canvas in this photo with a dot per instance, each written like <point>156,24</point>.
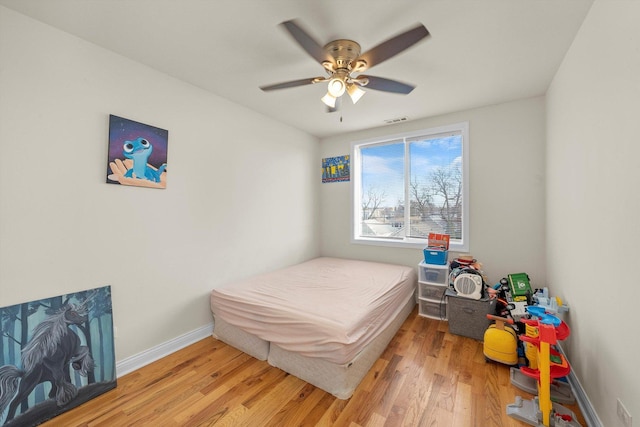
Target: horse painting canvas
<point>55,354</point>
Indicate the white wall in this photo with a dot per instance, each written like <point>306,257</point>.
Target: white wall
<point>241,196</point>
<point>506,184</point>
<point>593,181</point>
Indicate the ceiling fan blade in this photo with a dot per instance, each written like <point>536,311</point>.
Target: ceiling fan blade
<point>394,46</point>
<point>293,83</point>
<point>386,85</point>
<point>307,42</point>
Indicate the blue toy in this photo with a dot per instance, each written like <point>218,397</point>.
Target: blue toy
<point>139,151</point>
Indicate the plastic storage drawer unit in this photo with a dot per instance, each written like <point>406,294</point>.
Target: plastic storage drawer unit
<point>432,273</point>
<point>433,309</point>
<point>431,292</point>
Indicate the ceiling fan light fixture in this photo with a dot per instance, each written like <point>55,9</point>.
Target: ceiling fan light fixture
<point>336,87</point>
<point>355,92</point>
<point>329,100</point>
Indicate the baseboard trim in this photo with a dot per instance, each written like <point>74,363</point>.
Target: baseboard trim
<point>589,414</point>
<point>584,403</point>
<point>139,360</point>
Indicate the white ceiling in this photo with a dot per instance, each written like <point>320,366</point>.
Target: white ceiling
<point>479,53</point>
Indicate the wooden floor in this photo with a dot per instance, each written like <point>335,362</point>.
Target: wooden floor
<point>426,377</point>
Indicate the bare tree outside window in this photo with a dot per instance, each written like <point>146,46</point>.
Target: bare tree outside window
<point>371,202</point>
<point>447,184</point>
<point>421,198</point>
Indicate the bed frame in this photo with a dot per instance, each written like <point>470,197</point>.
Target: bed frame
<point>339,380</point>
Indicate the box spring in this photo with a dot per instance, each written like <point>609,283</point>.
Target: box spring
<point>340,380</point>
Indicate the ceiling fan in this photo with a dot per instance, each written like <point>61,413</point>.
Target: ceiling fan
<point>343,63</point>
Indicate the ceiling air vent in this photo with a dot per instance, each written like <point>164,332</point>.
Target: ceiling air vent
<point>396,120</point>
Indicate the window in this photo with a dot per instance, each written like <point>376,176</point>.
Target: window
<point>409,185</point>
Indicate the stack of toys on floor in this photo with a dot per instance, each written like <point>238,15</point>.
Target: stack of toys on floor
<point>524,335</point>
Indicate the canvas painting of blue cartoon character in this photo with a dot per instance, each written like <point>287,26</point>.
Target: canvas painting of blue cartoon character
<point>137,154</point>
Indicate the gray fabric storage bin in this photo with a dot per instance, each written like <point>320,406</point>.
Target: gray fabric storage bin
<point>468,317</point>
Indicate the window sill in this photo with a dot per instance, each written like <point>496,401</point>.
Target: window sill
<point>403,243</point>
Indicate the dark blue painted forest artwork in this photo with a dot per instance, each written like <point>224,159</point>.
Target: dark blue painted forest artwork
<point>55,354</point>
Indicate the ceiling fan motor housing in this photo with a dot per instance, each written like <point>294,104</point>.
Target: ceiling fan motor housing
<point>343,52</point>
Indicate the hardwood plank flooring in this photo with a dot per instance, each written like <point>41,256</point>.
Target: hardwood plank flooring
<point>425,377</point>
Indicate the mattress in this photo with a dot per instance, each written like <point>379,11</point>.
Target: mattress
<point>326,308</point>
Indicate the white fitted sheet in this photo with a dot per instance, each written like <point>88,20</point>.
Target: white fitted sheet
<point>328,308</point>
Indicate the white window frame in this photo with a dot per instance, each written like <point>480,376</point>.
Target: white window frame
<point>461,245</point>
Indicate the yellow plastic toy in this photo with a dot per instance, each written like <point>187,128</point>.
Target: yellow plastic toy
<point>500,341</point>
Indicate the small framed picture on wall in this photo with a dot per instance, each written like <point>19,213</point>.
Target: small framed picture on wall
<point>336,169</point>
<point>137,154</point>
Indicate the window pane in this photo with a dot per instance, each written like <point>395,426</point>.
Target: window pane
<point>382,190</point>
<point>435,187</point>
<point>409,185</point>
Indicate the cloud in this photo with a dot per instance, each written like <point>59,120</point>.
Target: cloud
<point>375,165</point>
